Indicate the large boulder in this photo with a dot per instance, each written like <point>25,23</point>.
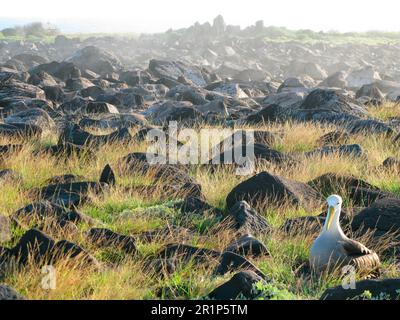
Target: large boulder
<point>371,91</point>
<point>176,70</point>
<point>347,150</point>
<point>41,79</point>
<point>286,99</point>
<point>386,289</point>
<point>15,88</point>
<point>292,84</point>
<point>35,116</point>
<point>241,283</point>
<point>330,183</point>
<point>247,245</point>
<point>61,70</point>
<point>312,69</point>
<point>361,77</point>
<point>96,59</point>
<point>382,217</point>
<point>8,293</point>
<point>78,84</point>
<point>323,104</point>
<point>267,188</point>
<point>100,108</point>
<point>20,130</point>
<point>108,238</point>
<point>229,89</point>
<point>172,111</point>
<point>336,80</point>
<point>246,220</point>
<point>75,135</point>
<point>267,114</point>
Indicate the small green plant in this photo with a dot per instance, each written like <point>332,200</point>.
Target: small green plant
<point>269,291</point>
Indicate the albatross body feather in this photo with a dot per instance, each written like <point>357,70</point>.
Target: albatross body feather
<point>333,249</point>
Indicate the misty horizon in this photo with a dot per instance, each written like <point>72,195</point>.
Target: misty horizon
<point>138,17</point>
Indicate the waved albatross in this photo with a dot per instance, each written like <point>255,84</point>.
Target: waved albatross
<point>332,249</point>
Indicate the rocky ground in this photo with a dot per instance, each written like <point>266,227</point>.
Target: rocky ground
<point>77,193</point>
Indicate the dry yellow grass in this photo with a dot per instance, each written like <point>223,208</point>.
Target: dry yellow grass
<point>135,212</point>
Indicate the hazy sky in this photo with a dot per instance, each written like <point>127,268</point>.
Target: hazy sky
<point>160,15</point>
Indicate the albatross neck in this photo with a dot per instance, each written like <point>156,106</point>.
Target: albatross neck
<point>335,228</point>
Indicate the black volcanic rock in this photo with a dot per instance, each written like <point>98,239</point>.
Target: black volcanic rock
<point>240,283</point>
<point>8,293</point>
<point>265,187</point>
<point>382,217</point>
<point>388,289</point>
<point>248,245</point>
<point>247,220</point>
<point>231,261</point>
<point>108,238</point>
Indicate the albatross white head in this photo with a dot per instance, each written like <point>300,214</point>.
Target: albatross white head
<point>332,224</point>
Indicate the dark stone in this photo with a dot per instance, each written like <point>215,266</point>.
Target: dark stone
<point>303,225</point>
<point>97,60</point>
<point>334,137</point>
<point>267,114</point>
<point>261,152</point>
<point>371,91</point>
<point>10,150</point>
<point>184,114</point>
<point>93,92</point>
<point>198,206</point>
<point>107,176</point>
<point>332,183</point>
<point>136,162</point>
<point>241,283</point>
<point>96,107</point>
<point>389,288</point>
<point>265,187</point>
<point>230,262</point>
<point>349,150</point>
<point>108,238</point>
<point>247,245</point>
<point>54,93</point>
<point>365,197</point>
<point>173,179</point>
<point>8,293</point>
<point>322,104</point>
<point>74,105</point>
<point>66,249</point>
<point>75,135</point>
<point>382,217</point>
<point>174,70</point>
<point>33,244</point>
<point>247,220</point>
<point>71,194</point>
<point>162,266</point>
<point>193,96</point>
<point>68,150</point>
<point>20,131</point>
<point>391,163</point>
<point>371,126</point>
<point>65,178</point>
<point>8,175</point>
<point>61,70</point>
<point>186,253</point>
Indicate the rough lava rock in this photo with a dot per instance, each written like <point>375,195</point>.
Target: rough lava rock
<point>265,187</point>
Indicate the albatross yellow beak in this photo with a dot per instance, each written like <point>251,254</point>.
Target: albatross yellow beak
<point>331,213</point>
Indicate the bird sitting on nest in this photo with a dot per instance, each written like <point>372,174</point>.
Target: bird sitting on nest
<point>333,249</point>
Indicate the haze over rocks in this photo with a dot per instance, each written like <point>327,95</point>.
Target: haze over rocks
<point>74,100</point>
